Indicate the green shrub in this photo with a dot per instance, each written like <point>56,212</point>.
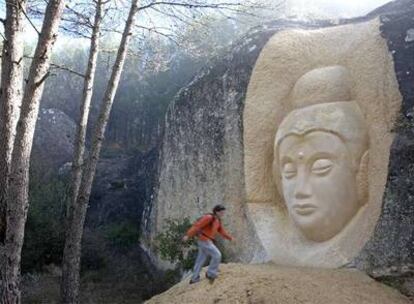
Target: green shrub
<point>122,235</point>
<point>171,247</point>
<point>45,234</point>
<point>94,256</point>
<point>118,185</point>
<point>113,150</point>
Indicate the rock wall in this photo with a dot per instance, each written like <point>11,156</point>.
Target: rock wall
<point>201,158</point>
<point>390,252</point>
<point>201,162</point>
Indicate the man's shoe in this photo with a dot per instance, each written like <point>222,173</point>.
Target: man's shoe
<point>210,278</point>
<point>196,280</point>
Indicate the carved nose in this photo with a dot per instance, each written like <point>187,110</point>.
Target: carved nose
<point>303,188</point>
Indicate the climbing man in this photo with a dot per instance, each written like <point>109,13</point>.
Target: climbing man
<point>206,229</point>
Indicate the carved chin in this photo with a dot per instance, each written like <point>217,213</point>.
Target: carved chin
<point>315,227</point>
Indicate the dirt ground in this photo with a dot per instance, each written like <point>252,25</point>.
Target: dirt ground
<point>271,284</point>
<point>97,287</point>
<point>44,289</point>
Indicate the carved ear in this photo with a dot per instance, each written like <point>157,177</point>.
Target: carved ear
<point>362,179</point>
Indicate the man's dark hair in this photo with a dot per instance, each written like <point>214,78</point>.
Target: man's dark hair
<point>218,208</point>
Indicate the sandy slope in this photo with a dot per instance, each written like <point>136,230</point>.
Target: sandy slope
<point>268,284</point>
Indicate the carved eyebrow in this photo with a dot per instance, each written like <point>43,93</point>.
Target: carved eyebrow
<point>322,155</point>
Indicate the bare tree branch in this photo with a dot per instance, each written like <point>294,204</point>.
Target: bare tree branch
<point>64,68</point>
<point>59,67</point>
<point>223,5</point>
<point>28,19</point>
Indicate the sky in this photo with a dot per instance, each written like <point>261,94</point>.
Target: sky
<point>333,8</point>
<point>302,9</point>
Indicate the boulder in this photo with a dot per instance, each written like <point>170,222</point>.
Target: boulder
<point>53,141</point>
<point>268,283</point>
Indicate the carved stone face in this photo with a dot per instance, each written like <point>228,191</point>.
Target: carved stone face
<point>318,178</point>
<point>336,103</point>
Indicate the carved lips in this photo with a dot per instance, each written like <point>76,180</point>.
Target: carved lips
<point>304,209</point>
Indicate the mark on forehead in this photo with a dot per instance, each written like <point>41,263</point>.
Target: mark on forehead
<point>301,154</point>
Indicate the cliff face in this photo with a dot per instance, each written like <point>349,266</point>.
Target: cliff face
<point>201,161</point>
<point>390,252</point>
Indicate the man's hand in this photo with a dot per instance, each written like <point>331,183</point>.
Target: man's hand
<point>185,238</point>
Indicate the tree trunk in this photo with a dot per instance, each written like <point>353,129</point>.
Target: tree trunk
<point>11,95</point>
<point>85,106</point>
<point>66,290</point>
<point>72,249</point>
<point>10,100</point>
<point>17,199</point>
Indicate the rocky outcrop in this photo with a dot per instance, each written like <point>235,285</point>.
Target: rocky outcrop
<point>390,252</point>
<point>201,161</point>
<point>269,283</point>
<point>201,158</point>
<point>53,140</point>
<point>126,180</point>
<point>122,187</point>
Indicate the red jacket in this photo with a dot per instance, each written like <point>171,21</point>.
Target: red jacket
<point>207,227</point>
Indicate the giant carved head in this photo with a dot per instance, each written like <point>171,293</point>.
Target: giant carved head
<point>321,154</point>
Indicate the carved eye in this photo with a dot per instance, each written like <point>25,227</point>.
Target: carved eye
<point>322,166</point>
<point>289,170</point>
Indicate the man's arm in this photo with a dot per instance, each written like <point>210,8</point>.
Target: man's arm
<point>224,233</point>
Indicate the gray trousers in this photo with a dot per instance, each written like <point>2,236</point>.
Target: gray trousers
<point>207,249</point>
